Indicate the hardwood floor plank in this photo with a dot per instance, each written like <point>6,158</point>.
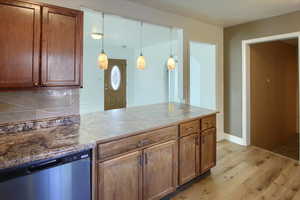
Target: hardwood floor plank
<point>247,173</point>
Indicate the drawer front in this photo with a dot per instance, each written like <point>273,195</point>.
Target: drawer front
<point>116,147</point>
<point>189,128</point>
<point>208,122</point>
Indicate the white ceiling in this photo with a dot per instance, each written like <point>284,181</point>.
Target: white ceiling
<point>225,12</point>
<point>125,33</point>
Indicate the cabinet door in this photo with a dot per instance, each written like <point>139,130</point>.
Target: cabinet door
<point>189,155</point>
<point>160,170</point>
<point>61,47</point>
<point>121,178</point>
<point>208,149</point>
<point>19,44</point>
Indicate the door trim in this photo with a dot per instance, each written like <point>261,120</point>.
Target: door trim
<point>246,104</point>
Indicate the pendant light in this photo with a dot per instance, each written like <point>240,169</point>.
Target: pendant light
<point>103,58</point>
<point>171,64</point>
<point>141,62</point>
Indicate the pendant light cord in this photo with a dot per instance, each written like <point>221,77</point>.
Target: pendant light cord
<point>103,32</point>
<point>171,49</point>
<point>141,37</point>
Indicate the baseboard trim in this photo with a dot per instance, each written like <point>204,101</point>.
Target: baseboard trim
<point>234,139</point>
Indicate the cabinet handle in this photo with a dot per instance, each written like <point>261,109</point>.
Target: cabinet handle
<point>145,142</point>
<point>141,160</point>
<point>36,84</point>
<point>146,158</point>
<point>189,129</point>
<point>140,144</point>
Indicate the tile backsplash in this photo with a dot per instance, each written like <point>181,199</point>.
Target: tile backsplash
<point>22,106</point>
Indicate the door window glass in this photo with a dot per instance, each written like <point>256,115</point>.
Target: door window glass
<point>115,79</point>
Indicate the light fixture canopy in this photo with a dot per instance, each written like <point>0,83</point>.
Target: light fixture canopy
<point>97,36</point>
<point>103,58</point>
<point>141,61</point>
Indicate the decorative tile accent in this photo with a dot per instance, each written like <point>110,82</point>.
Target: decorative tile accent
<point>38,124</point>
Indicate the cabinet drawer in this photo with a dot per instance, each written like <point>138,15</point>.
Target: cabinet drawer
<point>208,122</point>
<point>189,128</point>
<point>113,148</point>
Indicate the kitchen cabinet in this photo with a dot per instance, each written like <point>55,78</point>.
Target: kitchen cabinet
<point>197,148</point>
<point>41,45</point>
<point>19,44</point>
<point>160,170</point>
<point>153,164</point>
<point>189,155</point>
<point>121,178</point>
<point>148,170</point>
<point>61,47</point>
<point>208,149</point>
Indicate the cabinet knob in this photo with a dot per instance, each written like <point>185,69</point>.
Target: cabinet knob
<point>36,84</point>
<point>140,144</point>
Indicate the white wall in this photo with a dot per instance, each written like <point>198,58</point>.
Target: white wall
<point>144,87</point>
<point>194,30</point>
<point>203,75</point>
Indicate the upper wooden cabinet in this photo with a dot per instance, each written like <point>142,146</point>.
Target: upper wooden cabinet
<point>61,47</point>
<point>20,27</point>
<point>39,45</point>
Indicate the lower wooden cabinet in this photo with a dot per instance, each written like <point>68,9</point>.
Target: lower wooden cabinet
<point>189,158</point>
<point>208,149</point>
<point>121,178</point>
<point>160,170</point>
<point>148,174</point>
<point>149,166</point>
<point>197,151</point>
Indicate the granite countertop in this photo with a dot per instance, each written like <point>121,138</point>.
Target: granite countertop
<point>23,147</point>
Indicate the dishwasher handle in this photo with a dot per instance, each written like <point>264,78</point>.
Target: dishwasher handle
<point>45,165</point>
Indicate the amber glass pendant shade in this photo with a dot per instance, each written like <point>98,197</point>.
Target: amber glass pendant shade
<point>171,63</point>
<point>103,61</point>
<point>141,62</point>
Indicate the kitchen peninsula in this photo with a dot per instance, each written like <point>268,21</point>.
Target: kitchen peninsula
<point>143,152</point>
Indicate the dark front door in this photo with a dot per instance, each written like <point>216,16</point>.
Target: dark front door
<point>115,84</point>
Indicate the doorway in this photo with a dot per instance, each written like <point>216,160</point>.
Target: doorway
<point>273,95</point>
<point>202,75</point>
<point>115,84</point>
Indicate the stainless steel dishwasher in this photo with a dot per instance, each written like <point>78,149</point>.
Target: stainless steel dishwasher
<point>64,178</point>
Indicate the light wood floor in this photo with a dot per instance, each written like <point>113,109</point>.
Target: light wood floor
<point>247,173</point>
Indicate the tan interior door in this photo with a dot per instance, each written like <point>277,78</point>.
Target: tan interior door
<point>115,84</point>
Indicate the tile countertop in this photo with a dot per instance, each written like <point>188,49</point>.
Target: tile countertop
<point>24,147</point>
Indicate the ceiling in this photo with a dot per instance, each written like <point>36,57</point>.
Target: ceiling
<point>126,33</point>
<point>225,12</point>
